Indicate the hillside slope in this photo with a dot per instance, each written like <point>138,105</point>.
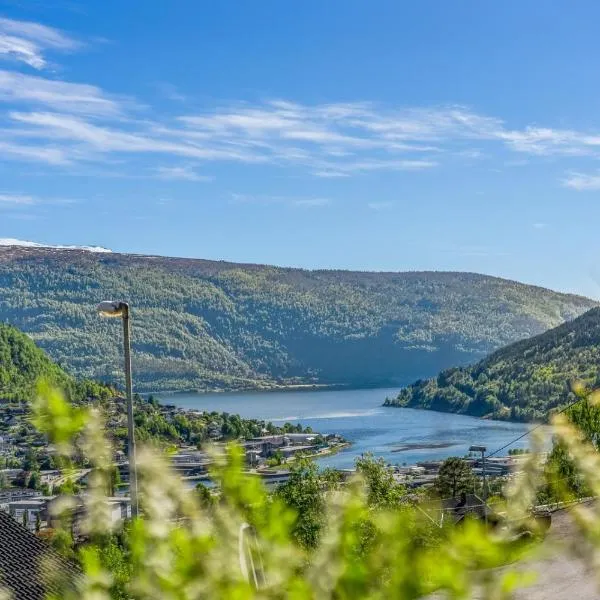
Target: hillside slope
<point>523,381</point>
<point>201,324</point>
<point>23,364</point>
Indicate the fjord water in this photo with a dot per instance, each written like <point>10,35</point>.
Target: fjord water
<point>399,435</point>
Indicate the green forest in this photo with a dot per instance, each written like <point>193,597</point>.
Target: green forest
<point>214,325</point>
<point>526,381</point>
<point>23,365</point>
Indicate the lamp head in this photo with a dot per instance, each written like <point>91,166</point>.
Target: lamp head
<point>110,308</point>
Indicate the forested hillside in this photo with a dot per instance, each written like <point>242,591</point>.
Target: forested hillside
<point>524,381</point>
<point>22,364</point>
<point>201,324</point>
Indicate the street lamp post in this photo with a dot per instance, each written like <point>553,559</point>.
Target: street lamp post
<point>121,309</point>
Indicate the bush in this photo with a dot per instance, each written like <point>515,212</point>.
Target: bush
<point>314,538</point>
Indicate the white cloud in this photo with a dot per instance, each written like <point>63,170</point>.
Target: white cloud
<point>378,206</point>
<point>330,174</point>
<point>71,124</point>
<point>311,202</point>
<point>16,199</point>
<point>46,154</point>
<point>186,173</point>
<point>582,181</point>
<point>281,200</point>
<point>540,225</point>
<point>104,139</point>
<point>26,42</point>
<point>78,122</point>
<point>17,88</point>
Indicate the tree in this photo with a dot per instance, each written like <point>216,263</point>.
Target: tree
<point>206,499</point>
<point>114,556</point>
<point>176,550</point>
<point>562,475</point>
<point>454,477</point>
<point>276,459</point>
<point>30,462</point>
<point>114,481</point>
<point>383,491</point>
<point>303,492</point>
<point>34,481</point>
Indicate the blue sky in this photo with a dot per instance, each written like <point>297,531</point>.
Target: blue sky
<point>363,135</point>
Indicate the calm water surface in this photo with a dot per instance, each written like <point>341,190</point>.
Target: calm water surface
<point>393,433</point>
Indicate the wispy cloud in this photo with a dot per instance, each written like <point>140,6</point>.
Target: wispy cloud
<point>311,202</point>
<point>186,173</point>
<point>45,154</point>
<point>281,200</point>
<point>379,206</point>
<point>540,225</point>
<point>75,125</point>
<point>582,181</point>
<point>70,98</point>
<point>79,122</point>
<point>27,42</point>
<point>18,199</point>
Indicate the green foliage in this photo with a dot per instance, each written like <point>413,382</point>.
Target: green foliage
<point>383,491</point>
<point>454,478</point>
<point>154,424</point>
<point>180,549</point>
<point>23,364</point>
<point>563,477</point>
<point>205,325</point>
<point>302,492</point>
<point>157,424</point>
<point>205,498</point>
<point>276,459</point>
<point>526,381</point>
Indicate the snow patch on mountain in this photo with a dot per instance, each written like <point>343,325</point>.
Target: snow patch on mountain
<point>28,244</point>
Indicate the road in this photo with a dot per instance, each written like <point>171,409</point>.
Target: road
<point>560,575</point>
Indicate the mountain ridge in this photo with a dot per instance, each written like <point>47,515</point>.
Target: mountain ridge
<point>27,245</point>
<point>524,381</point>
<point>205,324</point>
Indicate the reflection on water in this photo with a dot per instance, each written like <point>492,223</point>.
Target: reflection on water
<point>360,418</point>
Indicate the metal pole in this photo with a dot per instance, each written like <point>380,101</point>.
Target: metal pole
<point>133,489</point>
<point>484,487</point>
<point>484,477</point>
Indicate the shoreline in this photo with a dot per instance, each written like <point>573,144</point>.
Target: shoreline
<point>295,387</point>
<point>496,418</point>
<point>163,397</point>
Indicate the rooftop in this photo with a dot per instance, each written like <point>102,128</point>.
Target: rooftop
<point>29,568</point>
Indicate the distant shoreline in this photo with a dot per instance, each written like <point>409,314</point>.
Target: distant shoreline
<point>300,387</point>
